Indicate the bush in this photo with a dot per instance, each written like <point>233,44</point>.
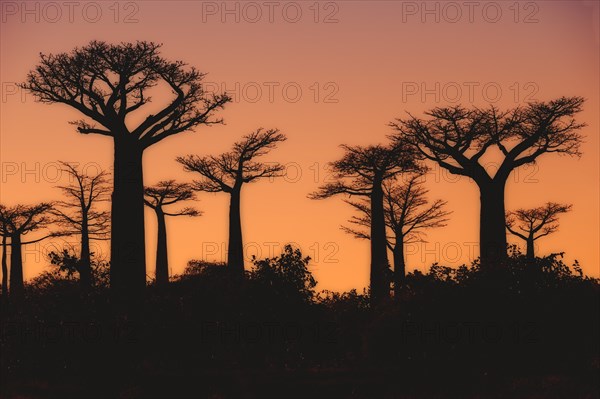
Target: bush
<point>286,276</point>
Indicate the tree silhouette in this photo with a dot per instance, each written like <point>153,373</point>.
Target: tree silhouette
<point>532,224</point>
<point>458,138</point>
<point>407,214</point>
<point>78,216</point>
<point>228,172</point>
<point>107,83</point>
<point>163,194</point>
<point>4,234</point>
<point>362,171</point>
<point>18,221</point>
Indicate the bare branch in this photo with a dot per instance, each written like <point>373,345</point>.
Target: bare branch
<point>228,171</point>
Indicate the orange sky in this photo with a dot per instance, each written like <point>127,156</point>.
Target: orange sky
<point>358,65</point>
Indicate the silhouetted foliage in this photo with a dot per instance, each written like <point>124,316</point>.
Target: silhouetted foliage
<point>509,332</point>
<point>535,223</point>
<point>286,275</point>
<point>228,172</point>
<point>107,83</point>
<point>457,139</point>
<point>68,266</point>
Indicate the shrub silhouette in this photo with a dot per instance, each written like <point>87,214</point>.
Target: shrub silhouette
<point>286,276</point>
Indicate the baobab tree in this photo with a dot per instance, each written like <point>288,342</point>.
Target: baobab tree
<point>228,173</point>
<point>18,221</point>
<point>407,214</point>
<point>4,234</point>
<point>458,139</point>
<point>362,171</point>
<point>107,84</point>
<point>78,215</point>
<point>535,223</point>
<point>157,197</point>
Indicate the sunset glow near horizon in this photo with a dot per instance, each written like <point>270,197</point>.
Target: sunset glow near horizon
<point>325,74</point>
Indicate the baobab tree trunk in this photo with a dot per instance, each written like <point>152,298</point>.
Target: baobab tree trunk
<point>379,261</point>
<point>128,257</point>
<point>492,230</point>
<point>4,271</point>
<point>530,248</point>
<point>16,268</point>
<point>162,261</point>
<point>399,266</point>
<point>235,254</point>
<point>85,263</point>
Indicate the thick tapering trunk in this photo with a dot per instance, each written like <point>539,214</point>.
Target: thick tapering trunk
<point>380,287</point>
<point>128,257</point>
<point>85,262</point>
<point>530,248</point>
<point>492,230</point>
<point>235,254</point>
<point>162,261</point>
<point>399,267</point>
<point>16,268</point>
<point>4,271</point>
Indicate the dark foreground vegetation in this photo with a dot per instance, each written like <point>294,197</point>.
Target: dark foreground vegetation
<point>527,330</point>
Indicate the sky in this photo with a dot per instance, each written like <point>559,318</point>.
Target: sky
<point>325,73</point>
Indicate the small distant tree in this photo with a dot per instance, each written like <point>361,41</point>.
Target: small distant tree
<point>535,223</point>
<point>78,214</point>
<point>157,197</point>
<point>18,221</point>
<point>407,214</point>
<point>228,173</point>
<point>362,171</point>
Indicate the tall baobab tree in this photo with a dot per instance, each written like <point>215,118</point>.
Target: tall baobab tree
<point>535,223</point>
<point>228,172</point>
<point>458,138</point>
<point>107,84</point>
<point>18,221</point>
<point>78,214</point>
<point>362,171</point>
<point>407,214</point>
<point>4,234</point>
<point>157,197</point>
